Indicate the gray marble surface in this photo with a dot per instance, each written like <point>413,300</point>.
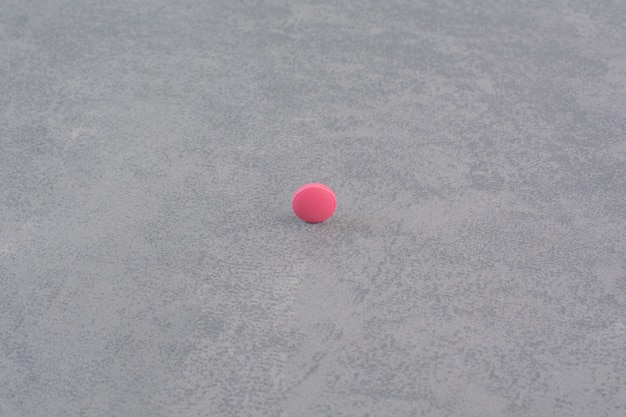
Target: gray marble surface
<point>150,264</point>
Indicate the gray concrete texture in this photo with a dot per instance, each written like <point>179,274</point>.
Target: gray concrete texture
<point>150,264</point>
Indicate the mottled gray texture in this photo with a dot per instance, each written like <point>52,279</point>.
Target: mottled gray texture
<point>150,264</point>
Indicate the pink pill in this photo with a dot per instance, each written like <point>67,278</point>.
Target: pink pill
<point>314,202</point>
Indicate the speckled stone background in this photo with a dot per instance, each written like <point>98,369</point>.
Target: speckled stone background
<point>150,264</point>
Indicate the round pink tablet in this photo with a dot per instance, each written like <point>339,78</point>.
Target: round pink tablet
<point>314,202</point>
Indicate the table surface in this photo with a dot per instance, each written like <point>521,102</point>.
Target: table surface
<point>150,264</point>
